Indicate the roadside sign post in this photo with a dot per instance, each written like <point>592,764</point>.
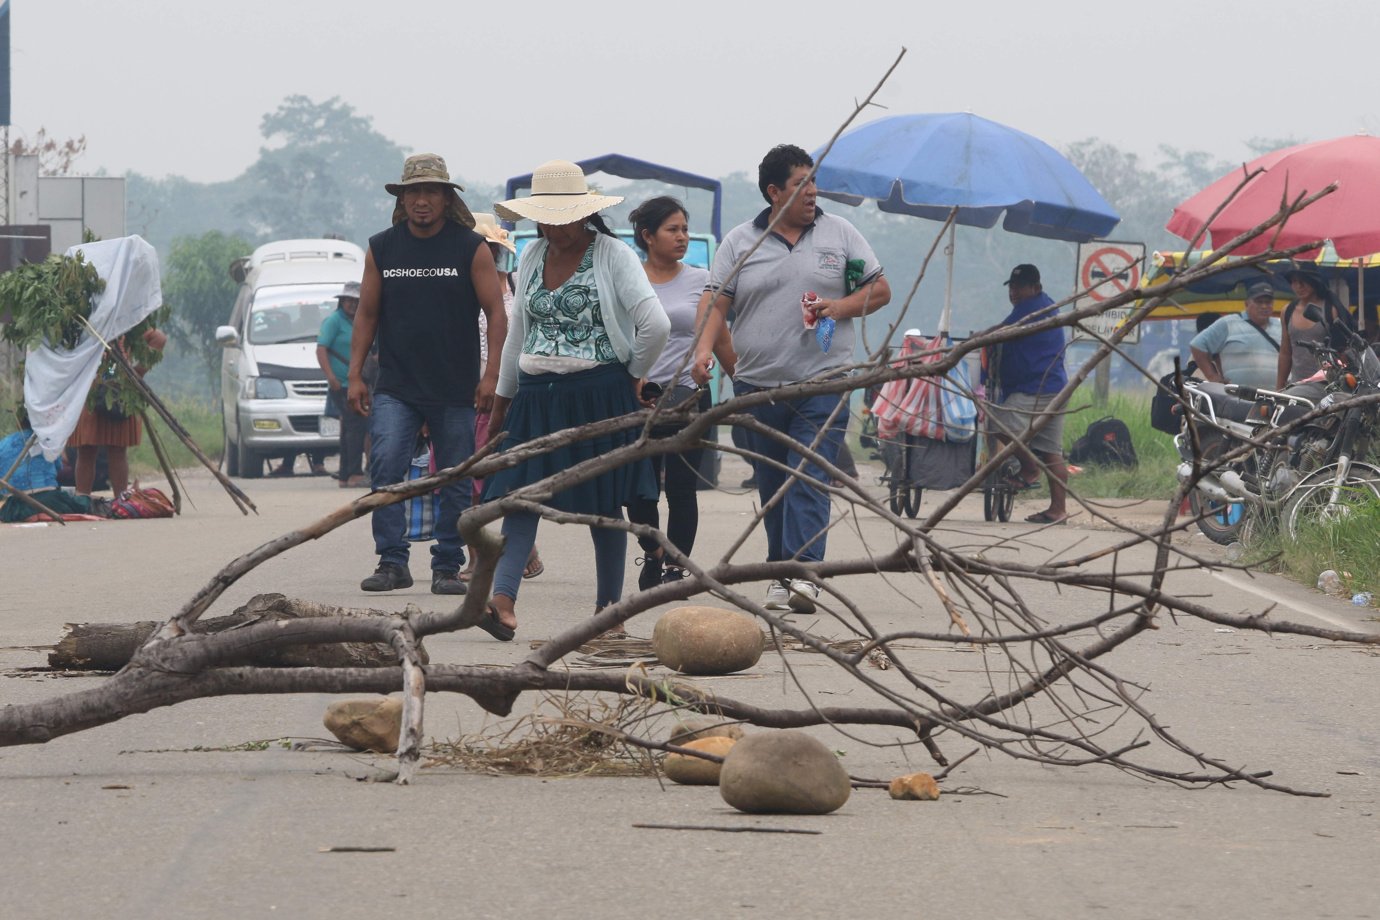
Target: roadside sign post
<point>1106,268</point>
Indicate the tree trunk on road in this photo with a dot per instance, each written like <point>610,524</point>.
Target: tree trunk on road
<point>109,646</point>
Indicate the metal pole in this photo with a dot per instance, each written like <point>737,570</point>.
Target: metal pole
<point>946,317</point>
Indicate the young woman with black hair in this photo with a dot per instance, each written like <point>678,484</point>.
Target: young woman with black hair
<point>661,230</point>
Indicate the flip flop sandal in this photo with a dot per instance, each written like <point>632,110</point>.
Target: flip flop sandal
<point>534,567</point>
<point>1042,517</point>
<point>491,625</point>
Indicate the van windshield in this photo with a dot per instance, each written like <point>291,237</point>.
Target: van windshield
<point>290,312</point>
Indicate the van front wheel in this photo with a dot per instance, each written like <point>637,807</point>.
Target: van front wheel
<point>250,465</point>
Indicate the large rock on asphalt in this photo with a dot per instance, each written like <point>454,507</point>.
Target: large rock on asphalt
<point>696,771</point>
<point>690,729</point>
<point>371,724</point>
<point>707,640</point>
<point>783,772</point>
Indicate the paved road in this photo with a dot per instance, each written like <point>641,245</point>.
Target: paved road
<point>222,834</point>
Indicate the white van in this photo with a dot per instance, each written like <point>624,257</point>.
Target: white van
<point>273,391</point>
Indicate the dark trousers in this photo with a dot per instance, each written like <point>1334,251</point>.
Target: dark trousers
<point>354,428</point>
<point>681,485</point>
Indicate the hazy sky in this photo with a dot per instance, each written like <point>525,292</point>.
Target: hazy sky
<point>179,86</point>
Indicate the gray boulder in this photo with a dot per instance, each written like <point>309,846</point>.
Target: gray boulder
<point>783,772</point>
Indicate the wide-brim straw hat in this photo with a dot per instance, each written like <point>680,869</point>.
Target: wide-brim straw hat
<point>420,169</point>
<point>560,195</point>
<point>486,225</point>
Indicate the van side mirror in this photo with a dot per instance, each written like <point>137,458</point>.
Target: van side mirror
<point>1313,312</point>
<point>227,337</point>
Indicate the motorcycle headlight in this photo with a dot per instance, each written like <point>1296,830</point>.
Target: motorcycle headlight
<point>266,388</point>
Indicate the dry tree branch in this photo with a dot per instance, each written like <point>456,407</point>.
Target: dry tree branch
<point>1048,693</point>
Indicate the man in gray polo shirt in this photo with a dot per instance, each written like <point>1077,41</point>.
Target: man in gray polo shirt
<point>1244,348</point>
<point>778,342</point>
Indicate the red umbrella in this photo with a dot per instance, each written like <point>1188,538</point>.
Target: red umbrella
<point>1348,217</point>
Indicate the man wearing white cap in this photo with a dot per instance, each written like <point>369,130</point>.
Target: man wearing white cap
<point>426,281</point>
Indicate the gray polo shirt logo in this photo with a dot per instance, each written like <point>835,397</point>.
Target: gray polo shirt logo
<point>830,261</point>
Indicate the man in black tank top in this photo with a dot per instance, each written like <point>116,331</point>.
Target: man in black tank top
<point>426,279</point>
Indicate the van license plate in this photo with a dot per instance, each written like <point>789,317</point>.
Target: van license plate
<point>330,427</point>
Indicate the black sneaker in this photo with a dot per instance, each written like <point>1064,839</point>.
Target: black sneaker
<point>650,576</point>
<point>447,583</point>
<point>387,577</point>
<point>673,573</point>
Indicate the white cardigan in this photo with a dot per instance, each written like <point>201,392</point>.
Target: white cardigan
<point>634,319</point>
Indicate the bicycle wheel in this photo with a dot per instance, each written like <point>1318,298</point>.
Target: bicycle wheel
<point>912,500</point>
<point>1319,500</point>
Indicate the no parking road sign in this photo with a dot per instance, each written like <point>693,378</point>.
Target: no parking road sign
<point>1106,269</point>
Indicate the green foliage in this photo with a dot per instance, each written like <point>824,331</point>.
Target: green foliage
<point>322,171</point>
<point>48,300</point>
<point>198,284</point>
<point>48,303</point>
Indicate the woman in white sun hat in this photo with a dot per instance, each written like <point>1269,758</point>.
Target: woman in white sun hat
<point>586,328</point>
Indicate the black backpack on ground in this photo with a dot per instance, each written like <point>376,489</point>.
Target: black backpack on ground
<point>1107,442</point>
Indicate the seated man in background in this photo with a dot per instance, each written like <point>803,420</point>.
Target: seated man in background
<point>1242,348</point>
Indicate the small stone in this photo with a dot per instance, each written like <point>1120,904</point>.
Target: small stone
<point>918,786</point>
<point>783,772</point>
<point>707,640</point>
<point>371,724</point>
<point>696,771</point>
<point>703,727</point>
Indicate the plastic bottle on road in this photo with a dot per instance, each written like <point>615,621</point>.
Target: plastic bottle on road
<point>1362,599</point>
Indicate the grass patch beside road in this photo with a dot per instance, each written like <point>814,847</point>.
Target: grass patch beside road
<point>1347,547</point>
<point>1152,478</point>
<point>202,421</point>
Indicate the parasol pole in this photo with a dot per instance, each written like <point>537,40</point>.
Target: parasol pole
<point>1361,293</point>
<point>947,315</point>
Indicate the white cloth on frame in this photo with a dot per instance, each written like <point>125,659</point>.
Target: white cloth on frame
<point>56,380</point>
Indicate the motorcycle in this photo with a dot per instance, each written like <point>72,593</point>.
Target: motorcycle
<point>1311,472</point>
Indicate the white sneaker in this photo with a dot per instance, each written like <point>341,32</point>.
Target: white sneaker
<point>803,595</point>
<point>778,598</point>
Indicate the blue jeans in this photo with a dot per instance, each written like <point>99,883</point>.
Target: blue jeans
<point>395,426</point>
<point>796,527</point>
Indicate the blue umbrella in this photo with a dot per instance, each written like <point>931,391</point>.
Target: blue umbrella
<point>925,165</point>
